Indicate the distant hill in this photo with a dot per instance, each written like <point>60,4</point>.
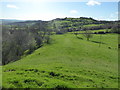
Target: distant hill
<point>8,21</point>
<point>81,19</point>
<point>63,25</point>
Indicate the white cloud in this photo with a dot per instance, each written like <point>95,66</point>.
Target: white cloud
<point>12,6</point>
<point>73,11</point>
<point>93,2</point>
<point>44,17</point>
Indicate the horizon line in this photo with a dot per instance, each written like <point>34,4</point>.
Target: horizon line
<point>57,18</point>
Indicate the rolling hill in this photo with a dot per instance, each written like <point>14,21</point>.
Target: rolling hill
<point>67,62</point>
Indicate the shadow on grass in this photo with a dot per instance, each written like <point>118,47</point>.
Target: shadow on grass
<point>80,38</point>
<point>97,42</point>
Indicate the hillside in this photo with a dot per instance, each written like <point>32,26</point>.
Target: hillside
<point>68,62</point>
<point>32,34</point>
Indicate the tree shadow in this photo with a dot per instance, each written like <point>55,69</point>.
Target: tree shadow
<point>79,38</point>
<point>98,42</point>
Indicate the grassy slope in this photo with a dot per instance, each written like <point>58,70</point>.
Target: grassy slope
<point>67,62</point>
<point>0,76</point>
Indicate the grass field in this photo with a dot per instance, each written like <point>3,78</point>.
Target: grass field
<point>68,62</point>
<point>0,76</point>
<point>93,31</point>
<point>90,25</point>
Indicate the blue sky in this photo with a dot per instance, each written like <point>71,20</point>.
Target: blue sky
<point>50,10</point>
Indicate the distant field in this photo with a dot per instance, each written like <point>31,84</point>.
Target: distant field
<point>93,31</point>
<point>104,30</point>
<point>68,62</point>
<point>90,25</point>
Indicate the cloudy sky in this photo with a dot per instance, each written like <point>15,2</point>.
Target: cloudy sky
<point>40,10</point>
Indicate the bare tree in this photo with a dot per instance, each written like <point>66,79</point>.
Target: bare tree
<point>88,34</point>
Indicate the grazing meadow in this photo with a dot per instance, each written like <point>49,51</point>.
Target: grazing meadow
<point>67,62</point>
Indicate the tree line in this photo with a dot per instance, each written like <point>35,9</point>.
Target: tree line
<point>18,41</point>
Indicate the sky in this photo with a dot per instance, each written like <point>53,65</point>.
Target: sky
<point>40,10</point>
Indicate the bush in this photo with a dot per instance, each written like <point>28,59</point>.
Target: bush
<point>59,32</point>
<point>101,32</point>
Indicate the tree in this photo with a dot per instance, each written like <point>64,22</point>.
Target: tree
<point>88,34</point>
<point>115,29</point>
<point>14,45</point>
